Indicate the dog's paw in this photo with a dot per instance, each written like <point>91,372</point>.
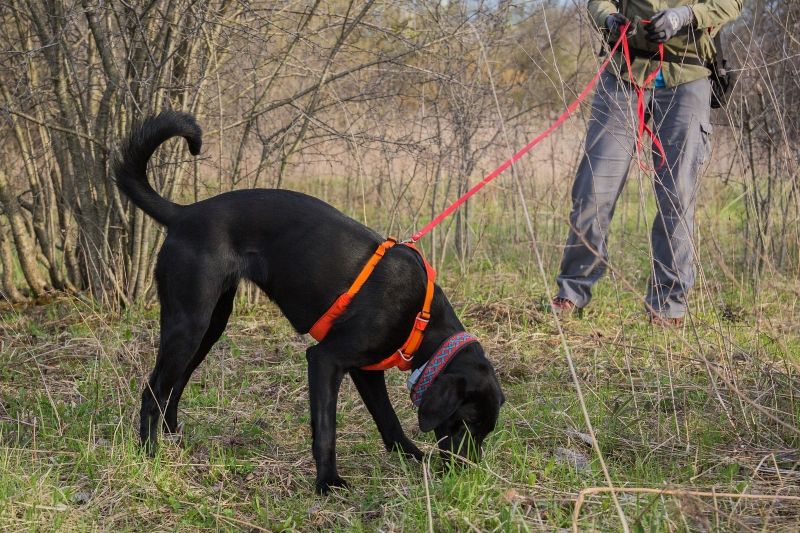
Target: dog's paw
<point>149,446</point>
<point>175,436</point>
<point>173,429</point>
<point>407,448</point>
<point>324,486</point>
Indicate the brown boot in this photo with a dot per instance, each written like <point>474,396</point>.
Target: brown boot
<point>564,307</point>
<point>666,322</point>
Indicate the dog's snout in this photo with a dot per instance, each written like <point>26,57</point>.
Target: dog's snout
<point>461,446</point>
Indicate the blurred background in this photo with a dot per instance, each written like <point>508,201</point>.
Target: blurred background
<point>387,110</point>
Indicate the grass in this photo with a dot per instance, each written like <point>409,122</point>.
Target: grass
<point>695,411</point>
<point>71,379</point>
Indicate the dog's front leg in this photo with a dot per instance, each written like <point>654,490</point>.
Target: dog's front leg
<point>324,379</point>
<point>371,385</point>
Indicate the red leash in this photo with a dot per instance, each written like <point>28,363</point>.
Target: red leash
<point>643,127</point>
<point>564,116</point>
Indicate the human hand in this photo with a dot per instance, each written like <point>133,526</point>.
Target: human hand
<point>615,22</point>
<point>665,24</point>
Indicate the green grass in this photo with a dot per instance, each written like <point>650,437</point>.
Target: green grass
<point>684,410</point>
<point>70,380</point>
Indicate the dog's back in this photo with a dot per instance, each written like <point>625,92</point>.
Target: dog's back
<point>300,250</point>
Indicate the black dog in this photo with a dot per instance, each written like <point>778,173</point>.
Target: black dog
<point>303,254</point>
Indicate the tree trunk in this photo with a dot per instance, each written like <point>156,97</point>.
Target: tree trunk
<point>8,288</point>
<point>26,247</point>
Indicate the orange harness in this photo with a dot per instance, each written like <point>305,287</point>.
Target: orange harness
<point>402,357</point>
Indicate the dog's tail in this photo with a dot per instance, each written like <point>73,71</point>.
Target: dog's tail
<point>131,168</point>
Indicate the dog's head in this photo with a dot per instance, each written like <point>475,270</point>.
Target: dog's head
<point>462,404</point>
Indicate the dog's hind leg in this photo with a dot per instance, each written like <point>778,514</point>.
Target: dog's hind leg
<point>219,320</point>
<point>189,288</point>
<point>324,379</point>
<point>371,385</point>
<point>180,339</point>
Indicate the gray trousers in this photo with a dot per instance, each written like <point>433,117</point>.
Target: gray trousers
<point>681,120</point>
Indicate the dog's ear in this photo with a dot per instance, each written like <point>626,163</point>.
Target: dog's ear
<point>441,401</point>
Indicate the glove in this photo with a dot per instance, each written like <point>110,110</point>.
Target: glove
<point>615,22</point>
<point>665,24</point>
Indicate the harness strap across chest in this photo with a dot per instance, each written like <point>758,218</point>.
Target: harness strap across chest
<point>402,357</point>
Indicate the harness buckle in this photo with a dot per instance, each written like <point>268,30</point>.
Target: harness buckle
<point>421,322</point>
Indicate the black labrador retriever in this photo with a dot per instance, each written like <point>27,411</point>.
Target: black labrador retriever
<point>303,254</point>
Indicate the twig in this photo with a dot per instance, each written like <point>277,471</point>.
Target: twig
<point>59,128</point>
<point>669,492</point>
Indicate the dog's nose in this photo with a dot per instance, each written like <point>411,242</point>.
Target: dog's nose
<point>474,453</point>
<point>461,447</point>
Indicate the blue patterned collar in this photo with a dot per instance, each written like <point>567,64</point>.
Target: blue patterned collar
<point>422,378</point>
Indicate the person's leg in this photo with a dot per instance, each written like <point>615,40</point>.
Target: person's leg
<point>682,121</point>
<point>608,149</point>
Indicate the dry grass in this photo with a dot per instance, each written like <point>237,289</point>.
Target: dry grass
<point>702,414</point>
<point>699,415</point>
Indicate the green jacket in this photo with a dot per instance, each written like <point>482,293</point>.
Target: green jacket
<point>695,42</point>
